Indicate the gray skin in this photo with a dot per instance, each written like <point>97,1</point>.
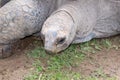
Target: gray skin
<point>21,18</point>
<point>80,21</point>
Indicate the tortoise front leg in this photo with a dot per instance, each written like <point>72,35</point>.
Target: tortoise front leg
<point>20,18</point>
<point>17,20</point>
<point>5,51</point>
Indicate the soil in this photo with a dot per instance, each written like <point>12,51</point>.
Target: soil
<point>107,61</point>
<point>19,65</point>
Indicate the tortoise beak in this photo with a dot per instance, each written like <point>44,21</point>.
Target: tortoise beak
<point>50,50</point>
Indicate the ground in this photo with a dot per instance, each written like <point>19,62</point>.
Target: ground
<point>18,65</point>
<point>98,59</point>
<point>107,61</point>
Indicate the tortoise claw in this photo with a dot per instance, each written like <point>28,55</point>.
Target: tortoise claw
<point>5,51</point>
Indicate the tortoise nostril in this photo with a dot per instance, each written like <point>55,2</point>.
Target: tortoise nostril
<point>49,52</point>
<point>61,40</point>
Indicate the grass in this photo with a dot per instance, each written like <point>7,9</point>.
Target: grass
<point>59,67</point>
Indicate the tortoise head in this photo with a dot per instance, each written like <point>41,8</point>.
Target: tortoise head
<point>58,32</point>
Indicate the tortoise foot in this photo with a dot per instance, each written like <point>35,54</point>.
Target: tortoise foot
<point>5,51</point>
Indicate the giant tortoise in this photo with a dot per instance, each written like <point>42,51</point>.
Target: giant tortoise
<point>79,21</point>
<point>21,18</point>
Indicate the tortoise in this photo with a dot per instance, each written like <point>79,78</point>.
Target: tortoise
<point>21,18</point>
<point>79,21</point>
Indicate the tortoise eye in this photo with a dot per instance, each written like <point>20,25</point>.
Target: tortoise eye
<point>61,40</point>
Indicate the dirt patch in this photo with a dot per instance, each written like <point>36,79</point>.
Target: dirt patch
<point>14,68</point>
<point>107,61</point>
<point>18,65</point>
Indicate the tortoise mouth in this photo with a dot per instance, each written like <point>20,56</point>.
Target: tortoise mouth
<point>49,52</point>
<point>52,53</point>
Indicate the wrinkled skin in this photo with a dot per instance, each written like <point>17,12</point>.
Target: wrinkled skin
<point>21,18</point>
<point>80,21</point>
